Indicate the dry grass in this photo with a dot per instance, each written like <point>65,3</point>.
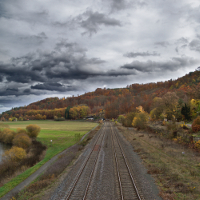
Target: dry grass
<point>177,174</point>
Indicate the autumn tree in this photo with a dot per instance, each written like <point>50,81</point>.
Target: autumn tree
<point>20,130</point>
<point>22,140</point>
<point>158,108</point>
<point>141,118</point>
<point>15,154</point>
<point>33,130</point>
<point>196,125</point>
<point>7,135</point>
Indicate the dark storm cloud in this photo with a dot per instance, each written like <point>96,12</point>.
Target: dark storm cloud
<point>9,91</point>
<point>152,66</point>
<point>91,21</point>
<point>142,54</point>
<point>50,71</point>
<point>195,45</point>
<point>1,78</point>
<point>19,74</point>
<point>52,87</point>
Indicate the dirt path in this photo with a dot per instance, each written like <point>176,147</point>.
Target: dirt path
<point>32,177</point>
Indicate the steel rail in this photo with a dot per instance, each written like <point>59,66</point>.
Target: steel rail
<point>117,167</point>
<point>126,162</point>
<point>83,167</point>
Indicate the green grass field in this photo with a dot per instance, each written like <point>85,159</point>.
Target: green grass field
<point>63,135</point>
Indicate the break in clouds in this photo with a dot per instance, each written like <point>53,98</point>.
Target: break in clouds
<point>60,48</point>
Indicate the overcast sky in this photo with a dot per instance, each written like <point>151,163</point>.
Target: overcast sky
<point>61,48</point>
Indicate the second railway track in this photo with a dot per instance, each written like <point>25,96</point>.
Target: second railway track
<point>127,187</point>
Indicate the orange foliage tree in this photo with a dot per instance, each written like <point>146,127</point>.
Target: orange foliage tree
<point>33,130</point>
<point>15,154</point>
<point>22,140</point>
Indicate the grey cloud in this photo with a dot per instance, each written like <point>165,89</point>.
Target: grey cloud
<point>19,74</point>
<point>9,91</point>
<point>51,86</point>
<point>12,9</point>
<point>152,66</point>
<point>43,71</point>
<point>182,40</point>
<point>195,45</point>
<point>162,44</point>
<point>27,91</point>
<point>34,39</point>
<point>181,43</point>
<point>142,54</point>
<point>91,21</point>
<point>117,5</point>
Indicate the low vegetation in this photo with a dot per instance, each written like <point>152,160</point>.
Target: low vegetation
<point>44,185</point>
<point>62,134</point>
<point>174,166</point>
<point>24,152</point>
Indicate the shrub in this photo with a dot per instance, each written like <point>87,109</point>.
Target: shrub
<point>6,136</point>
<point>15,154</point>
<point>140,120</point>
<point>59,118</point>
<point>155,114</point>
<point>20,130</point>
<point>197,145</point>
<point>22,140</point>
<point>120,118</point>
<point>127,121</point>
<point>196,125</point>
<point>33,130</point>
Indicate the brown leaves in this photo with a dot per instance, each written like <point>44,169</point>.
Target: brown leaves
<point>33,130</point>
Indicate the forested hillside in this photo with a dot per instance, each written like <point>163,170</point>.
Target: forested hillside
<point>111,102</point>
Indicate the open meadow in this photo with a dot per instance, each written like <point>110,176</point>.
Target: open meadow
<point>63,135</point>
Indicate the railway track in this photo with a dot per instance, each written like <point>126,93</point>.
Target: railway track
<point>85,182</point>
<point>126,183</point>
<point>79,188</point>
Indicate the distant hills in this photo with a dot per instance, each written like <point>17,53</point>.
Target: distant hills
<point>112,102</point>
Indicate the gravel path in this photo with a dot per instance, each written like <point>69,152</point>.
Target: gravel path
<point>99,178</point>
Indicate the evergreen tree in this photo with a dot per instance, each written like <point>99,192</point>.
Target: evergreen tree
<point>186,112</point>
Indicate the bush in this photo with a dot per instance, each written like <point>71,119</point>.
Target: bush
<point>196,125</point>
<point>197,145</point>
<point>6,136</point>
<point>15,154</point>
<point>20,130</point>
<point>59,118</point>
<point>155,113</point>
<point>140,120</point>
<point>120,118</point>
<point>127,121</point>
<point>22,140</point>
<point>33,130</point>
